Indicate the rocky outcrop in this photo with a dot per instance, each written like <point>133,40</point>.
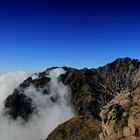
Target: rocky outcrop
<point>77,128</point>
<point>120,120</point>
<point>121,117</point>
<point>19,105</point>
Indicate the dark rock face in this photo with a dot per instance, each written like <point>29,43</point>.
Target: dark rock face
<point>91,88</point>
<point>19,105</point>
<point>94,88</point>
<point>26,83</point>
<point>38,83</point>
<point>77,128</point>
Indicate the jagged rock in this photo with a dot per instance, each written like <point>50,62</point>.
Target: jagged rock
<point>26,83</point>
<point>121,117</point>
<point>41,82</point>
<point>94,88</point>
<point>19,105</point>
<point>77,128</point>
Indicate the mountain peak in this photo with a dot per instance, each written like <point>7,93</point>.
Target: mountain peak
<point>89,90</point>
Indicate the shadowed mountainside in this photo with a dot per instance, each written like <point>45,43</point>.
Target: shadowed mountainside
<point>94,88</point>
<point>91,90</point>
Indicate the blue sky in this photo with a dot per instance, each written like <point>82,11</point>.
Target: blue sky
<point>36,34</point>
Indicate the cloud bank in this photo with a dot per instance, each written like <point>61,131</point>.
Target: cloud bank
<point>53,109</point>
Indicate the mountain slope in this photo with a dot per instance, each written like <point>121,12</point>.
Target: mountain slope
<point>77,128</point>
<point>121,117</point>
<point>91,90</point>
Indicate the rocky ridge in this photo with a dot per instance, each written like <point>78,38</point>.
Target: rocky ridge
<point>95,96</point>
<point>121,117</point>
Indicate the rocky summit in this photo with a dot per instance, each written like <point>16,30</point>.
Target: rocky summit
<point>106,101</point>
<point>121,117</point>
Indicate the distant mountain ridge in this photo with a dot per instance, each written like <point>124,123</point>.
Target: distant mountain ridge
<point>100,85</point>
<point>91,90</point>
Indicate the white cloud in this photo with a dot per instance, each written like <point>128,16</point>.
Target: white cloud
<point>51,113</point>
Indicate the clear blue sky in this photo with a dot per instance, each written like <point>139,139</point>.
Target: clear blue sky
<point>36,34</point>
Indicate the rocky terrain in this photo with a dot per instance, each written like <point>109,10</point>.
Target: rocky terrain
<point>77,128</point>
<point>121,117</point>
<point>106,101</point>
<point>94,88</point>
